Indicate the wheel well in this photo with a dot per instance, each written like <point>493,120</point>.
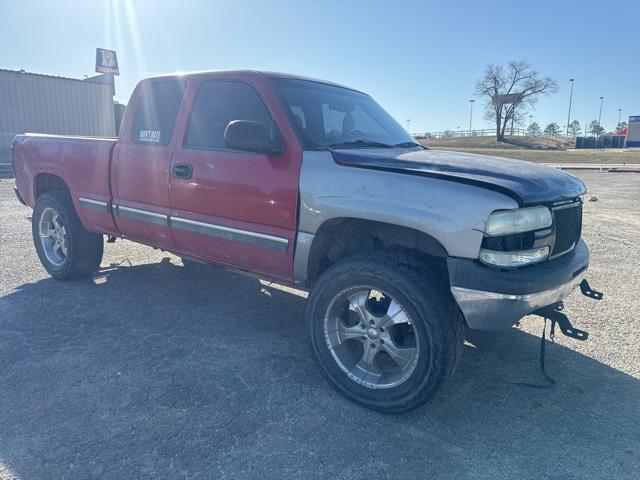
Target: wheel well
<point>340,238</point>
<point>47,182</point>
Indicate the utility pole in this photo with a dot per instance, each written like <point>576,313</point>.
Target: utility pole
<point>570,100</point>
<point>600,114</point>
<point>471,116</point>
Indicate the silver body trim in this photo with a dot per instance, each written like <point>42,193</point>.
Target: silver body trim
<point>229,233</point>
<point>210,229</point>
<point>92,204</point>
<point>497,311</point>
<point>142,215</point>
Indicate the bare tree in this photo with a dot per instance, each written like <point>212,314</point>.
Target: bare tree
<point>511,91</point>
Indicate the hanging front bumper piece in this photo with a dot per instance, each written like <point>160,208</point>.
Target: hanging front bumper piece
<point>492,299</point>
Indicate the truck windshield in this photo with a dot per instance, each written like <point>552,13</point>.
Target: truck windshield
<point>328,116</point>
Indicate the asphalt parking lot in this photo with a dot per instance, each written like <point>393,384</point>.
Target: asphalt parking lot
<point>151,371</point>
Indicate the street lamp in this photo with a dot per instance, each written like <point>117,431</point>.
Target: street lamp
<point>471,116</point>
<point>408,124</point>
<point>619,116</point>
<point>530,118</point>
<point>600,114</point>
<point>570,99</point>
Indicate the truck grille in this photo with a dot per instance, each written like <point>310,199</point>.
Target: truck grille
<point>568,222</point>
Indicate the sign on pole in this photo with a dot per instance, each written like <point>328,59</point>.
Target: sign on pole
<point>106,61</point>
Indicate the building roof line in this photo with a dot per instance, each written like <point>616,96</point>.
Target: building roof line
<point>24,72</point>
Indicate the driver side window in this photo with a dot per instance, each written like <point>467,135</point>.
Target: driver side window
<point>217,104</point>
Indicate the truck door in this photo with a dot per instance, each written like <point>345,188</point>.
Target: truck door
<point>235,207</point>
<point>141,162</point>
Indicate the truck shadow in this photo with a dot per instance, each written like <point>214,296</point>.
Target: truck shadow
<point>155,364</point>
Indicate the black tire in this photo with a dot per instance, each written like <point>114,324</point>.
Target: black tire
<point>84,248</point>
<point>437,321</point>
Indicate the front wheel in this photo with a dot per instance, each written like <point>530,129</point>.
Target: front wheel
<point>66,250</point>
<point>385,334</point>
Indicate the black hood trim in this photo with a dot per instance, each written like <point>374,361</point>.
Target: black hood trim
<point>443,176</point>
<point>498,178</point>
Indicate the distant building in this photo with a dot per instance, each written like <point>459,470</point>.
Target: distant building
<point>31,102</point>
<point>633,131</point>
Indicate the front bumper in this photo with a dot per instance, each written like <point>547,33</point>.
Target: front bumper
<point>496,299</point>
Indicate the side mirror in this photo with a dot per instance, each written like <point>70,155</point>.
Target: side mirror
<point>251,137</point>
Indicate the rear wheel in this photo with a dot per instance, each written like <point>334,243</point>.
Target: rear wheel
<point>385,334</point>
<point>65,248</point>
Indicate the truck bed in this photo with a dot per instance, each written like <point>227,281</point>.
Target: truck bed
<point>82,163</point>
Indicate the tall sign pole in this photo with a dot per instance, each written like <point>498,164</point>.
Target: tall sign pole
<point>600,114</point>
<point>570,100</point>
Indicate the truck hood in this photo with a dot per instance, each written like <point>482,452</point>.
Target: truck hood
<point>526,182</point>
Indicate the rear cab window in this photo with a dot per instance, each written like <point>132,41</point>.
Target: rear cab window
<point>157,111</point>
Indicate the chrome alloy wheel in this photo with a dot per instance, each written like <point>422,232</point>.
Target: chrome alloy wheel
<point>53,236</point>
<point>371,337</point>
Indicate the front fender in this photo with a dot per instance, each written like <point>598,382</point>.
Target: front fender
<point>452,213</point>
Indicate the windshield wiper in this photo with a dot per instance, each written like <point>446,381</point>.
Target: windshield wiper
<point>360,143</point>
<point>408,145</point>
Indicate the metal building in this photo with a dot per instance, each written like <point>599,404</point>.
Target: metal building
<point>633,131</point>
<point>31,102</point>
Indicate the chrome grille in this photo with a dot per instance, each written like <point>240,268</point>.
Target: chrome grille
<point>568,225</point>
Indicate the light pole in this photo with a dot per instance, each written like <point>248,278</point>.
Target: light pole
<point>600,114</point>
<point>530,118</point>
<point>619,116</point>
<point>408,124</point>
<point>471,116</point>
<point>570,100</point>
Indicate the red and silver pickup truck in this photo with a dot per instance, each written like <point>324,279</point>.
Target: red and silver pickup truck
<point>313,184</point>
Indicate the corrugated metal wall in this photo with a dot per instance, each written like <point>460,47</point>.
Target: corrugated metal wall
<point>633,131</point>
<point>44,104</point>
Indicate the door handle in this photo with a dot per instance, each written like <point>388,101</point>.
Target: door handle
<point>182,170</point>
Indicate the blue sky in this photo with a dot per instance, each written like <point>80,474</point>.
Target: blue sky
<point>420,60</point>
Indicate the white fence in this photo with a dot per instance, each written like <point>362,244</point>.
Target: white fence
<point>487,132</point>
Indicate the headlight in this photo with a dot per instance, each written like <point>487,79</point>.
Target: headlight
<point>519,220</point>
<point>514,259</point>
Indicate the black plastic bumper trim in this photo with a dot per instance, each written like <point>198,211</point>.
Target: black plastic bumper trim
<point>471,274</point>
